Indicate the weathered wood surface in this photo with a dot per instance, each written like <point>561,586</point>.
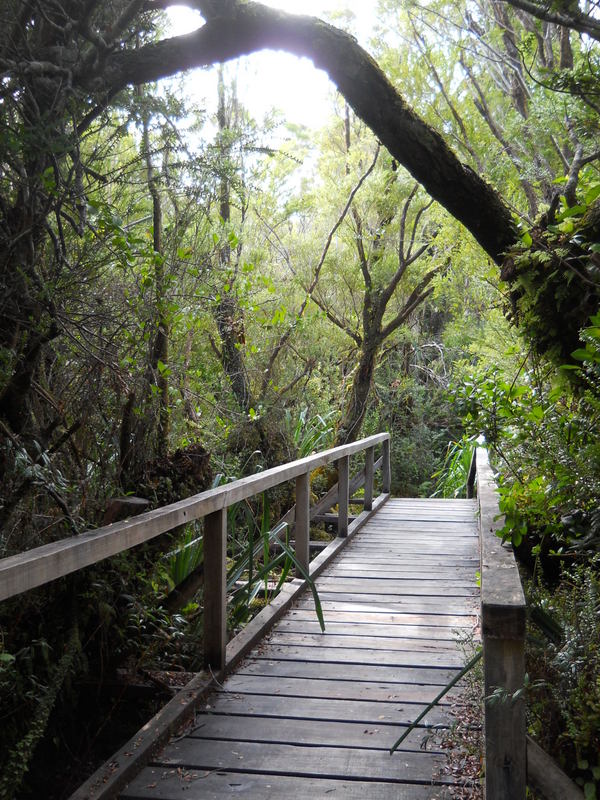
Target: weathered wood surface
<point>546,777</point>
<point>503,611</point>
<point>311,715</point>
<point>25,571</point>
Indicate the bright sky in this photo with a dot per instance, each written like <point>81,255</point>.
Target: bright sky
<point>278,80</point>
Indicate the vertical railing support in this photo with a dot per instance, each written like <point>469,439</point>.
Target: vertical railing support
<point>302,530</point>
<point>343,467</point>
<point>369,473</point>
<point>503,612</point>
<point>505,727</point>
<point>386,470</point>
<point>215,589</point>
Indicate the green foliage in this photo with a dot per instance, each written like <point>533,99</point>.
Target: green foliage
<point>415,410</point>
<point>554,278</point>
<point>546,442</point>
<point>568,696</point>
<point>18,761</point>
<point>452,478</point>
<point>188,555</point>
<point>310,434</point>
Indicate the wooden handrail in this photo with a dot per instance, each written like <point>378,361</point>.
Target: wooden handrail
<point>25,571</point>
<point>503,612</point>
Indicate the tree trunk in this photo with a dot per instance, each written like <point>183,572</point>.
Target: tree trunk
<point>160,350</point>
<point>357,403</point>
<point>228,314</point>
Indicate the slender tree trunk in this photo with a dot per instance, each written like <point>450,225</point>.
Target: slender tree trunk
<point>160,350</point>
<point>228,314</point>
<point>357,403</point>
<point>146,436</point>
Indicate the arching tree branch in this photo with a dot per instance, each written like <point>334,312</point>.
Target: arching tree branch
<point>243,28</point>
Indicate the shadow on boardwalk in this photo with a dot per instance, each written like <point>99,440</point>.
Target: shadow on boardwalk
<point>312,715</point>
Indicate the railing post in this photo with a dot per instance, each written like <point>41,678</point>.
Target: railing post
<point>505,727</point>
<point>215,589</point>
<point>369,472</point>
<point>302,529</point>
<point>503,612</point>
<point>343,467</point>
<point>386,469</point>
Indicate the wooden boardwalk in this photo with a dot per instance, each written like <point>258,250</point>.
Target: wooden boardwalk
<point>312,715</point>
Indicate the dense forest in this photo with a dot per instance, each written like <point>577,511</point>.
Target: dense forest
<point>189,295</point>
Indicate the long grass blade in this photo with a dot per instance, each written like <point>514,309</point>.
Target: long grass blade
<point>434,702</point>
<point>309,581</point>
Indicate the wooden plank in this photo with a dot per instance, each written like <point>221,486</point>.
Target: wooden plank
<point>428,510</point>
<point>325,762</point>
<point>464,547</point>
<point>406,561</point>
<point>156,783</point>
<point>405,510</point>
<point>396,602</point>
<point>424,514</point>
<point>347,641</point>
<point>371,630</point>
<point>419,518</point>
<point>327,710</point>
<point>400,572</point>
<point>428,537</point>
<point>316,733</point>
<point>336,655</point>
<point>359,616</point>
<point>502,599</point>
<point>335,601</point>
<point>432,502</point>
<point>315,670</point>
<point>333,689</point>
<point>398,582</point>
<point>397,555</point>
<point>445,546</point>
<point>402,564</point>
<point>366,594</point>
<point>397,550</point>
<point>415,526</point>
<point>394,589</point>
<point>415,533</point>
<point>40,565</point>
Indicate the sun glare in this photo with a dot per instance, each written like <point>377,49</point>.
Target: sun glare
<point>274,80</point>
